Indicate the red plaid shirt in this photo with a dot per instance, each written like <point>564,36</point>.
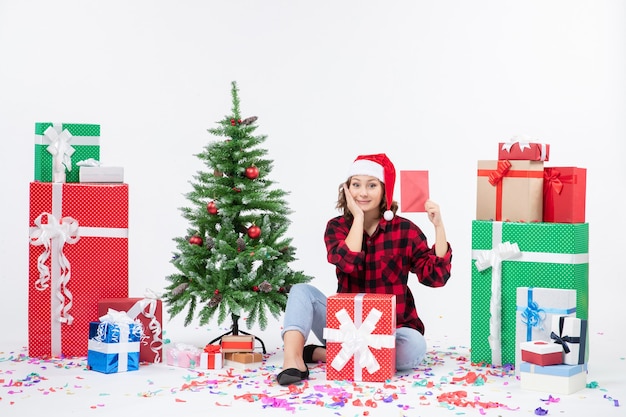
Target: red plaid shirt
<point>384,262</point>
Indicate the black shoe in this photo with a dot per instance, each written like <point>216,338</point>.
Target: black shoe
<point>292,376</point>
<point>307,353</point>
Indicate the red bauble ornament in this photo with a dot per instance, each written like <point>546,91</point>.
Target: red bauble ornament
<point>281,290</point>
<point>216,292</point>
<point>255,288</point>
<point>254,232</point>
<point>196,240</point>
<point>211,207</point>
<point>237,190</point>
<point>252,172</point>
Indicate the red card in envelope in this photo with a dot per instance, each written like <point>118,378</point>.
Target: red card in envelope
<point>413,190</point>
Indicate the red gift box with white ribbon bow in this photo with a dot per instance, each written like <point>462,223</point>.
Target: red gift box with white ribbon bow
<point>360,337</point>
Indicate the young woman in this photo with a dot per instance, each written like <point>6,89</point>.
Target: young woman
<point>373,251</point>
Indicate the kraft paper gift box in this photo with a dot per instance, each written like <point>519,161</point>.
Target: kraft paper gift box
<point>507,255</point>
<point>149,311</point>
<point>60,146</point>
<point>572,335</point>
<point>183,355</point>
<point>113,346</point>
<point>360,337</point>
<point>78,254</point>
<point>509,191</point>
<point>534,312</point>
<point>559,379</point>
<point>212,357</point>
<point>243,360</point>
<point>564,194</point>
<point>539,352</point>
<point>523,150</point>
<point>237,343</point>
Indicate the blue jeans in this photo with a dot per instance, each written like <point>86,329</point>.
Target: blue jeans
<point>306,313</point>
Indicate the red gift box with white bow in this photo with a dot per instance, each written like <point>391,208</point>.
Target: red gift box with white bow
<point>360,337</point>
<point>78,254</point>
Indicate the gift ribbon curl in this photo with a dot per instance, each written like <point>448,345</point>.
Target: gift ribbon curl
<point>357,340</point>
<point>533,315</point>
<point>53,235</point>
<point>150,302</point>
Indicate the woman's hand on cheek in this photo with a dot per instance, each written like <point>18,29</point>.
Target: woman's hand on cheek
<point>352,205</point>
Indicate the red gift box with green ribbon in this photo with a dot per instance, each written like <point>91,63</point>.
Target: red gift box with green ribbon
<point>78,254</point>
<point>564,194</point>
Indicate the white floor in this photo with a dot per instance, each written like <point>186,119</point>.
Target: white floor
<point>65,387</point>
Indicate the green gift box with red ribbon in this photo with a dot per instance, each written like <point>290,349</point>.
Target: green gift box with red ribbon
<point>508,255</point>
<point>564,194</point>
<point>509,190</point>
<point>60,146</point>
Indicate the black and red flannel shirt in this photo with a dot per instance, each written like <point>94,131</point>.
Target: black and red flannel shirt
<point>383,264</point>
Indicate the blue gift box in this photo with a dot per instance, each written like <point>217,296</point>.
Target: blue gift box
<point>561,379</point>
<point>113,347</point>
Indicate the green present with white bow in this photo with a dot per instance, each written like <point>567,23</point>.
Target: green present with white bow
<point>60,146</point>
<point>508,255</point>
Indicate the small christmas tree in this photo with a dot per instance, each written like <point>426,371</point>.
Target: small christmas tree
<point>235,258</point>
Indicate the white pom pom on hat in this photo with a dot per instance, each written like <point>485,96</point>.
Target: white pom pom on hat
<point>378,166</point>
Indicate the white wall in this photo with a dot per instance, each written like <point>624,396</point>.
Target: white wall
<point>435,85</point>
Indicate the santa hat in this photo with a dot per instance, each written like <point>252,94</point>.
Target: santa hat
<point>379,166</point>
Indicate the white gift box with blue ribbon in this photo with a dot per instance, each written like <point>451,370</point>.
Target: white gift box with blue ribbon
<point>535,309</point>
<point>114,343</point>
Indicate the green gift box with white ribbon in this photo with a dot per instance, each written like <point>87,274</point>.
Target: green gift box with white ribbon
<point>60,146</point>
<point>508,255</point>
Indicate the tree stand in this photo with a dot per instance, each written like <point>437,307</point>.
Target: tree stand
<point>234,330</point>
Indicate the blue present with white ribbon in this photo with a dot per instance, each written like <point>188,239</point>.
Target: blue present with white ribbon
<point>114,343</point>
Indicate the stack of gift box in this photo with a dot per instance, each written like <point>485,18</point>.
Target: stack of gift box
<point>78,256</point>
<point>233,351</point>
<point>530,267</point>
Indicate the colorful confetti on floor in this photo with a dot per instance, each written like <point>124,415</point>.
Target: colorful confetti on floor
<point>447,384</point>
